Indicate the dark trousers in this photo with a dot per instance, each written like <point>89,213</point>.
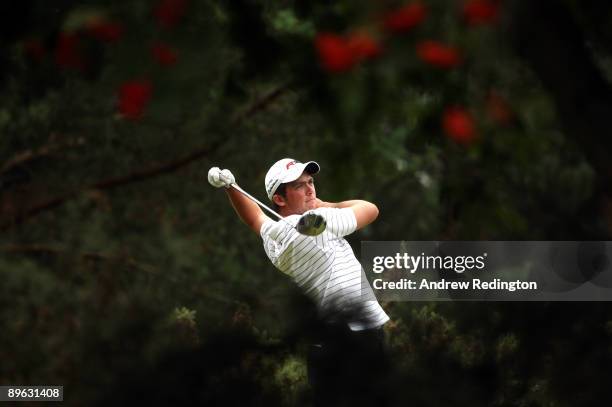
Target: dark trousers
<point>348,367</point>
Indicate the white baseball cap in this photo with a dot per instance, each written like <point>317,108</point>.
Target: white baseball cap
<point>287,170</point>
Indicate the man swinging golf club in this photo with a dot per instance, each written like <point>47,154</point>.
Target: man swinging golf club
<point>323,264</point>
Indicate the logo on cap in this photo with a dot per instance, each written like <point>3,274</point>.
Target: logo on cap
<point>289,164</point>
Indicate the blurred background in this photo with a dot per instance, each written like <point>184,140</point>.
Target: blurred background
<point>125,277</point>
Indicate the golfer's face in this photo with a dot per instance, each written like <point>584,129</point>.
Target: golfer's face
<point>301,194</point>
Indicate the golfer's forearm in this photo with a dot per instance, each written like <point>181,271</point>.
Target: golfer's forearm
<point>365,212</point>
<point>248,211</point>
<point>345,204</point>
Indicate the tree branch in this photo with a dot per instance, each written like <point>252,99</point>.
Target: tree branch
<point>26,156</point>
<point>45,249</point>
<point>140,175</point>
<point>262,103</point>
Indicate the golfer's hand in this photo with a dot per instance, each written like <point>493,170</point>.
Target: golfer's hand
<point>220,178</point>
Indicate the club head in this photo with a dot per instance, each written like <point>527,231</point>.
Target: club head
<point>311,224</point>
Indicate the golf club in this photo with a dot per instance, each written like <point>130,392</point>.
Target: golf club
<point>309,224</point>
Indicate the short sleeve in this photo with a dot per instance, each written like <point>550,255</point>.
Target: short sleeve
<point>340,221</point>
<point>277,236</point>
<point>278,231</point>
<point>267,229</point>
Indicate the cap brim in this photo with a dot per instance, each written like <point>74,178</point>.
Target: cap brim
<point>312,167</point>
<point>297,170</point>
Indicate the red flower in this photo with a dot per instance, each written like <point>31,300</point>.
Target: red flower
<point>363,46</point>
<point>67,54</point>
<point>105,31</point>
<point>459,125</point>
<point>163,54</point>
<point>405,18</point>
<point>334,52</point>
<point>477,12</point>
<point>169,12</point>
<point>133,96</point>
<point>34,49</point>
<point>438,54</point>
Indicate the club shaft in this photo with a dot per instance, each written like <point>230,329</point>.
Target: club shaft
<point>252,198</point>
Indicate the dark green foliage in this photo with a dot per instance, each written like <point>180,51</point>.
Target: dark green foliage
<point>126,278</point>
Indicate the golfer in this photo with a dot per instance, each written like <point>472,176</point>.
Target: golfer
<point>349,350</point>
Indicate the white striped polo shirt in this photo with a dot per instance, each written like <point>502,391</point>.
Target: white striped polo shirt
<point>325,267</point>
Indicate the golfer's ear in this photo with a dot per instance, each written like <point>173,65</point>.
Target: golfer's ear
<point>278,200</point>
